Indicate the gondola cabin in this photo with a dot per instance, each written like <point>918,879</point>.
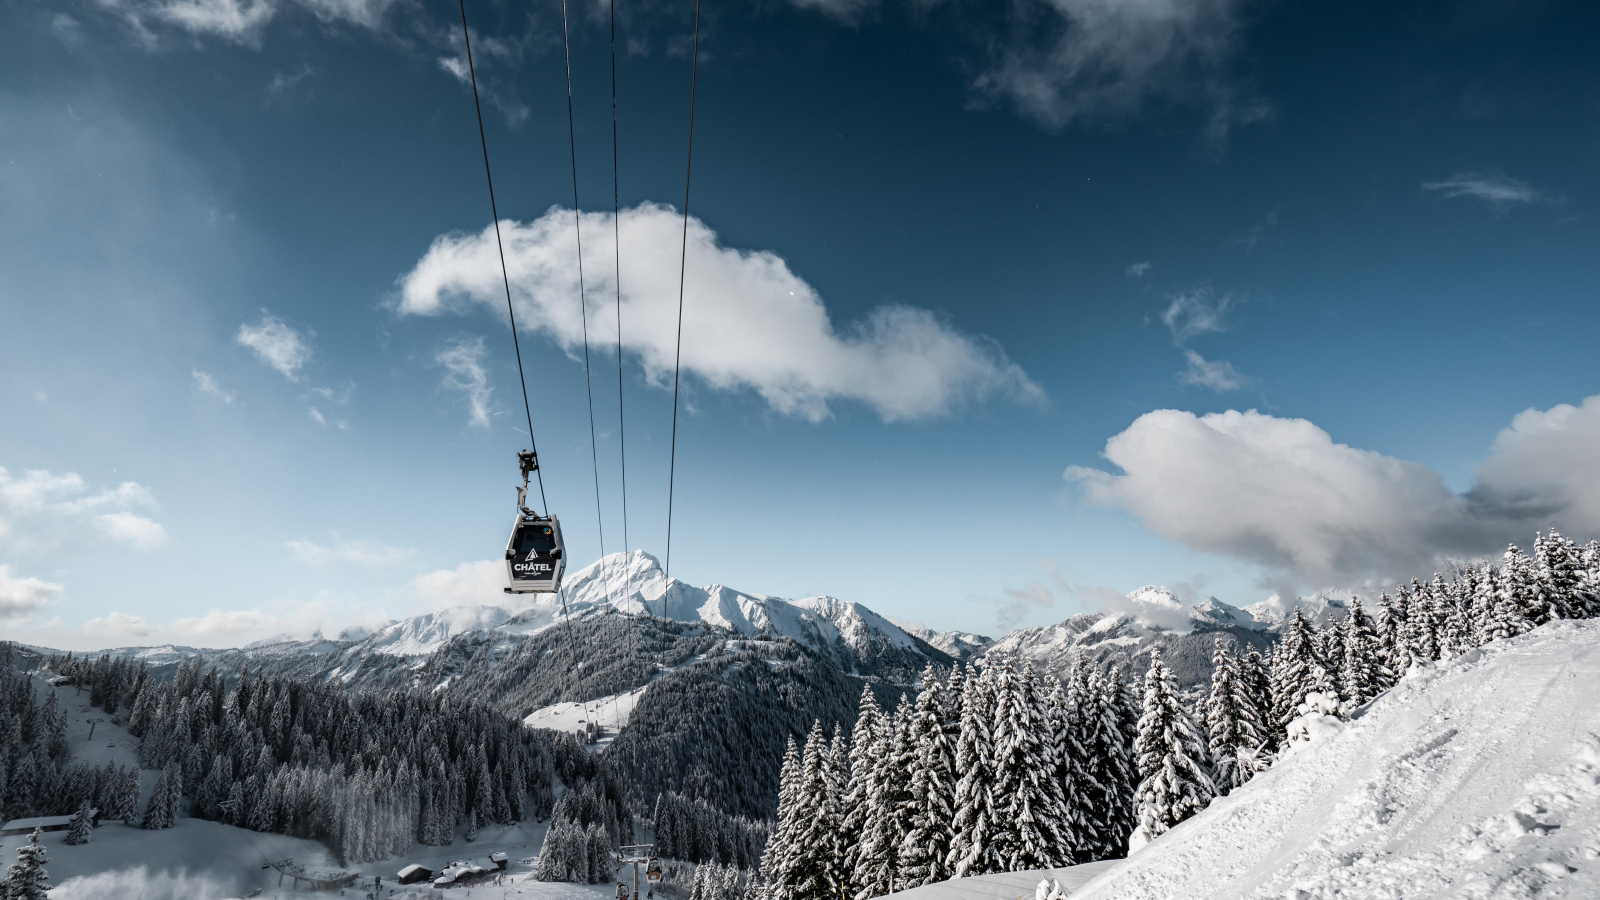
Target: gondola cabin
<point>534,555</point>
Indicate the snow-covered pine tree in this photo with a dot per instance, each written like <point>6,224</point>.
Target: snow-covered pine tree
<point>27,878</point>
<point>1560,568</point>
<point>1520,606</point>
<point>814,870</point>
<point>1392,652</point>
<point>1028,804</point>
<point>974,824</point>
<point>1069,716</point>
<point>868,743</point>
<point>1171,755</point>
<point>81,828</point>
<point>877,861</point>
<point>597,847</point>
<point>838,786</point>
<point>1223,723</point>
<point>1360,674</point>
<point>933,788</point>
<point>1252,701</point>
<point>1422,621</point>
<point>1457,634</point>
<point>158,813</point>
<point>1292,673</point>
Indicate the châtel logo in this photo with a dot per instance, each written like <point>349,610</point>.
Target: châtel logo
<point>532,555</point>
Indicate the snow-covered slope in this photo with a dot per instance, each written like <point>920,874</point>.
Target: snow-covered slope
<point>1474,778</point>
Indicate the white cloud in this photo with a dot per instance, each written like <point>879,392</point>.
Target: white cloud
<point>133,529</point>
<point>1545,469</point>
<point>1190,314</point>
<point>1109,59</point>
<point>208,385</point>
<point>468,583</point>
<point>23,598</point>
<point>276,344</point>
<point>361,553</point>
<point>223,624</point>
<point>236,20</point>
<point>1195,312</point>
<point>42,510</point>
<point>1497,190</point>
<point>117,627</point>
<point>1218,375</point>
<point>1139,270</point>
<point>463,371</point>
<point>749,322</point>
<point>1281,494</point>
<point>848,11</point>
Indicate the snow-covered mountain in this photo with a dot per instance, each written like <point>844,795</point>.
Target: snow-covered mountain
<point>421,635</point>
<point>1476,777</point>
<point>1148,617</point>
<point>853,636</point>
<point>958,645</point>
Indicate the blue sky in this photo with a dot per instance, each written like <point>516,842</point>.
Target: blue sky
<point>979,303</point>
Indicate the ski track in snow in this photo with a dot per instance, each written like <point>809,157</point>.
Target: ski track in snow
<point>1476,778</point>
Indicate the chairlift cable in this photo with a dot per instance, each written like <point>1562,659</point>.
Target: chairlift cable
<point>683,256</point>
<point>616,243</point>
<point>505,279</point>
<point>583,297</point>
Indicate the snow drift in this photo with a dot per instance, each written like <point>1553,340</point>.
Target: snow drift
<point>1477,777</point>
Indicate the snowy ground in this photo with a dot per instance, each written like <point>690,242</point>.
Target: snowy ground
<point>201,860</point>
<point>1477,778</point>
<point>1005,885</point>
<point>611,712</point>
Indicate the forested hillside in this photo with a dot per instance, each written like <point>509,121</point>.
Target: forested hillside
<point>1000,770</point>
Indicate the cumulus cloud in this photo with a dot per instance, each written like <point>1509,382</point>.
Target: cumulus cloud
<point>362,553</point>
<point>463,371</point>
<point>223,624</point>
<point>208,385</point>
<point>1546,468</point>
<point>132,528</point>
<point>1110,59</point>
<point>1493,188</point>
<point>1282,494</point>
<point>276,344</point>
<point>22,598</point>
<point>468,583</point>
<point>117,627</point>
<point>41,510</point>
<point>749,322</point>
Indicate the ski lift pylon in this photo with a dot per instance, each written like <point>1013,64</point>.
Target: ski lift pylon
<point>534,553</point>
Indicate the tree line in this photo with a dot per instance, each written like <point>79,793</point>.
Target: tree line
<point>998,769</point>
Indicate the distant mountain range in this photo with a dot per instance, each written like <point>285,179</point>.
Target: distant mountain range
<point>714,662</point>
